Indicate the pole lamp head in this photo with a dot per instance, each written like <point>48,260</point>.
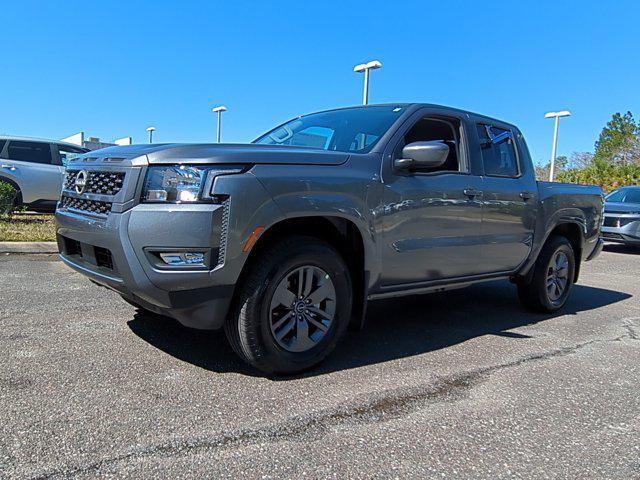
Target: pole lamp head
<point>151,129</point>
<point>562,113</point>
<point>372,65</point>
<point>221,108</point>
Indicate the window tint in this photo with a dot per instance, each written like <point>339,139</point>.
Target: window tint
<point>36,152</point>
<point>435,129</point>
<point>66,153</point>
<point>498,151</point>
<point>2,142</point>
<point>363,141</point>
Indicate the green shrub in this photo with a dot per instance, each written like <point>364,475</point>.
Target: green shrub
<point>607,175</point>
<point>7,196</point>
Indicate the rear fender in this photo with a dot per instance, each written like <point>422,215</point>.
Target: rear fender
<point>561,217</point>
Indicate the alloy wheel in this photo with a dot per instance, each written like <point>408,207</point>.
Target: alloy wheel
<point>302,308</point>
<point>557,276</point>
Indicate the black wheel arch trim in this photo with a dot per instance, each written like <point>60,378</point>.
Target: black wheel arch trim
<point>557,221</point>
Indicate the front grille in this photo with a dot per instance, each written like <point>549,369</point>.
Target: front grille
<point>93,206</point>
<point>103,183</point>
<point>618,222</point>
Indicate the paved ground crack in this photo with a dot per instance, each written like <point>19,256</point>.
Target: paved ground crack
<point>386,406</point>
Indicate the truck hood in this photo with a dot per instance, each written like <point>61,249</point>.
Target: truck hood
<point>618,207</point>
<point>206,153</point>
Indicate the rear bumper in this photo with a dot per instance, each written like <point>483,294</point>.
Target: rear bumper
<point>116,252</point>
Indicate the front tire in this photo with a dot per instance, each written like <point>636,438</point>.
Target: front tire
<point>293,307</point>
<point>552,279</point>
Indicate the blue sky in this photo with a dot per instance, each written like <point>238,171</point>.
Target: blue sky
<point>113,68</point>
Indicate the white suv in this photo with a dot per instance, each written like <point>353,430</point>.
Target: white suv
<point>35,168</point>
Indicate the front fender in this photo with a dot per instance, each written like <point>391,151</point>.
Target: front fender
<point>327,192</point>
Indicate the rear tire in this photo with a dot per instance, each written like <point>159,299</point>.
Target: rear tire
<point>552,279</point>
<point>292,308</point>
<point>17,200</point>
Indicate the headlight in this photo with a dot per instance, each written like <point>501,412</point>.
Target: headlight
<point>182,183</point>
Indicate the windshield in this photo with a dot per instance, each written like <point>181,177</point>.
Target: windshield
<point>347,130</point>
<point>624,195</point>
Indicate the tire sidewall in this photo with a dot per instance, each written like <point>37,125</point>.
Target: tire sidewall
<point>556,246</point>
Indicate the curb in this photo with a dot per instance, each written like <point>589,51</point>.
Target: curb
<point>28,247</point>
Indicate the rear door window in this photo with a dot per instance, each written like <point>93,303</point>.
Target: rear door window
<point>498,151</point>
<point>34,152</point>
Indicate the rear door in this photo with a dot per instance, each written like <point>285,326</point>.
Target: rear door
<point>510,197</point>
<point>34,166</point>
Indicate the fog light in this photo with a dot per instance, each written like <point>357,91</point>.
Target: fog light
<point>183,258</point>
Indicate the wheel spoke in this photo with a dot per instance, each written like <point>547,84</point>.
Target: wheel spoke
<point>321,313</point>
<point>315,322</point>
<point>281,321</point>
<point>300,281</point>
<point>286,328</point>
<point>283,296</point>
<point>308,281</point>
<point>321,293</point>
<point>302,341</point>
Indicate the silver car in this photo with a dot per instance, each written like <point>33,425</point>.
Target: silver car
<point>622,216</point>
<point>35,168</point>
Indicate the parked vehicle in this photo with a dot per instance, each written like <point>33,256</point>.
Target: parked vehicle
<point>35,168</point>
<point>282,242</point>
<point>622,216</point>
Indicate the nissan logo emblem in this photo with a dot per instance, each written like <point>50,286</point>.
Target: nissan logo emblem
<point>81,181</point>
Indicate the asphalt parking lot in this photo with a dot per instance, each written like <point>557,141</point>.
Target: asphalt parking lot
<point>462,384</point>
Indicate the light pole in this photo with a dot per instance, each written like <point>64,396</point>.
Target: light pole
<point>219,111</point>
<point>556,115</point>
<point>151,130</point>
<point>365,67</point>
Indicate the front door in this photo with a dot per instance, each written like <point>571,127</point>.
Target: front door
<point>431,220</point>
<point>432,228</point>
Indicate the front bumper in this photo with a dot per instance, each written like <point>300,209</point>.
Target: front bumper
<point>116,251</point>
<point>626,229</point>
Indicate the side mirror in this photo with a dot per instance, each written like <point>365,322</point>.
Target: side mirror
<point>425,155</point>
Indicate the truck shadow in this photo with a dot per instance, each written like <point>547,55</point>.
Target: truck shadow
<point>394,328</point>
<point>620,248</point>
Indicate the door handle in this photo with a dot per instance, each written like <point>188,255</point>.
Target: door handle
<point>8,167</point>
<point>526,195</point>
<point>472,192</point>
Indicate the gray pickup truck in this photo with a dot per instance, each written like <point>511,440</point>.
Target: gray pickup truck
<point>283,241</point>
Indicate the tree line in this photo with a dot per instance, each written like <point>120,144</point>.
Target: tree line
<point>614,163</point>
